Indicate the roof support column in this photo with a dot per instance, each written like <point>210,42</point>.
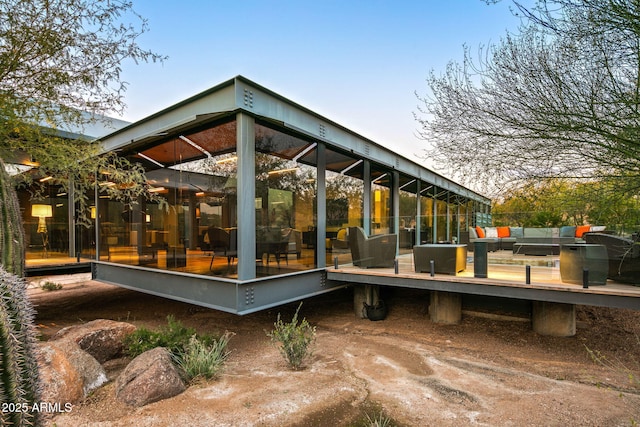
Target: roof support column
<point>97,220</point>
<point>418,218</point>
<point>395,206</point>
<point>71,210</point>
<point>434,225</point>
<point>457,221</point>
<point>366,197</point>
<point>321,203</point>
<point>448,227</point>
<point>246,175</point>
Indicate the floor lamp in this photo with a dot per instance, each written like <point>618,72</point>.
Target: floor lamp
<point>42,212</point>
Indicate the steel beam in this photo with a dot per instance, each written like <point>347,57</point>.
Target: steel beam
<point>232,296</point>
<point>474,288</point>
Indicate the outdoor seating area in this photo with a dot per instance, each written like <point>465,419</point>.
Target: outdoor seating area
<point>575,254</point>
<point>529,240</point>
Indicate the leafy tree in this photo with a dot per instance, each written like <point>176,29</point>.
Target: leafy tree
<point>557,202</point>
<point>559,98</point>
<point>60,65</point>
<point>533,204</point>
<point>60,68</point>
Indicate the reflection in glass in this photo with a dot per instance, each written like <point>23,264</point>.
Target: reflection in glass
<point>285,202</point>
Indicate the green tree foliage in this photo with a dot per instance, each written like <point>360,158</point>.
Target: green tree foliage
<point>60,65</point>
<point>557,202</point>
<point>559,98</point>
<point>60,68</point>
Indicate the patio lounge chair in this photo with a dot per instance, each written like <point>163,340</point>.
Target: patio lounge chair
<point>223,243</point>
<point>374,251</point>
<point>624,256</point>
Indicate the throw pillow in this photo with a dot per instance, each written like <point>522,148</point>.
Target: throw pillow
<point>581,229</point>
<point>472,233</point>
<point>480,232</point>
<point>517,232</point>
<point>491,232</point>
<point>504,232</point>
<point>568,231</point>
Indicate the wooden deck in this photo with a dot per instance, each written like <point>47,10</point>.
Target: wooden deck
<point>506,276</point>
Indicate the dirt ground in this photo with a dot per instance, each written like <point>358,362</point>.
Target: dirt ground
<point>484,372</point>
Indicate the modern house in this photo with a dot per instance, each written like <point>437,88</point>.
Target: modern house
<point>259,193</point>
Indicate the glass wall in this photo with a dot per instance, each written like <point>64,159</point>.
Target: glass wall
<point>192,226</point>
<point>285,201</point>
<point>46,222</point>
<point>408,213</point>
<point>453,218</point>
<point>426,213</point>
<point>441,231</point>
<point>345,203</point>
<point>381,201</point>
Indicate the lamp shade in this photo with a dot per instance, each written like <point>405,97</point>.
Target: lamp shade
<point>41,211</point>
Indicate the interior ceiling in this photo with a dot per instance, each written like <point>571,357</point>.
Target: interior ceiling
<point>221,138</point>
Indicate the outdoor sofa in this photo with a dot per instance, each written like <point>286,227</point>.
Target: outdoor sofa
<point>529,240</point>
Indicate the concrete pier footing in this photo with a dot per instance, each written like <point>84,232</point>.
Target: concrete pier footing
<point>364,293</point>
<point>445,307</point>
<point>553,319</point>
<point>547,318</point>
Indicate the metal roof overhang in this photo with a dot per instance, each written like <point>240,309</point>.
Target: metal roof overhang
<point>241,94</point>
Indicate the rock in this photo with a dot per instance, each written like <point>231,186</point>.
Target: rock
<point>150,377</point>
<point>67,372</point>
<point>102,338</point>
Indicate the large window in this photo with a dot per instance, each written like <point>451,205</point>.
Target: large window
<point>408,213</point>
<point>381,201</point>
<point>345,189</point>
<point>426,213</point>
<point>195,229</point>
<point>442,232</point>
<point>285,201</point>
<point>46,223</point>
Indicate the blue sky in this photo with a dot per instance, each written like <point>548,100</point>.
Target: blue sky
<point>356,62</point>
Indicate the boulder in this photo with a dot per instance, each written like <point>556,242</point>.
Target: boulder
<point>68,373</point>
<point>102,338</point>
<point>150,377</point>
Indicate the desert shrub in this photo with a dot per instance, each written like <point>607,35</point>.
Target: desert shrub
<point>372,414</point>
<point>293,339</point>
<point>379,420</point>
<point>50,286</point>
<point>175,337</point>
<point>629,367</point>
<point>204,360</point>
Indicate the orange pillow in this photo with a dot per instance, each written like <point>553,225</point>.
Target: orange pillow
<point>504,232</point>
<point>480,232</point>
<point>581,229</point>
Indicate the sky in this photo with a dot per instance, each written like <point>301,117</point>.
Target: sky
<point>359,63</point>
